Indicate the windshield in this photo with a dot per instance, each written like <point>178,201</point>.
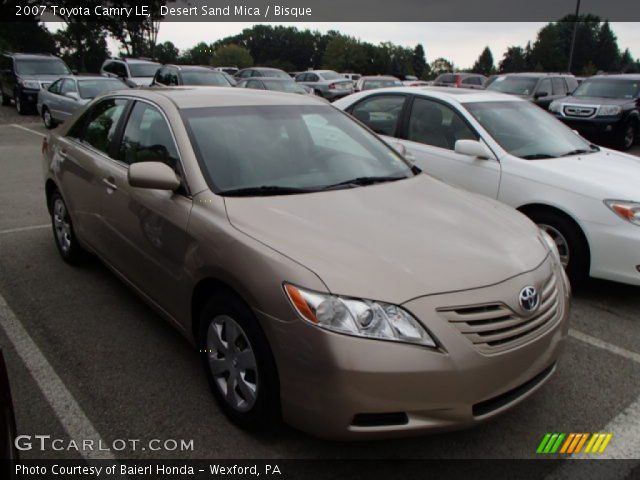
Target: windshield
<point>53,66</point>
<point>526,131</point>
<point>204,78</point>
<point>306,148</point>
<point>288,86</point>
<point>93,88</point>
<point>143,69</point>
<point>331,76</point>
<point>373,84</point>
<point>608,88</point>
<point>513,85</point>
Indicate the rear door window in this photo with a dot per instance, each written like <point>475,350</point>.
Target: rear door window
<point>436,124</point>
<point>559,87</point>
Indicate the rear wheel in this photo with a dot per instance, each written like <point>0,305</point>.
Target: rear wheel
<point>238,362</point>
<point>21,107</point>
<point>63,234</point>
<point>47,119</point>
<point>5,100</point>
<point>571,243</point>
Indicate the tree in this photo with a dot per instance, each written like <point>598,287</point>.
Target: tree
<point>484,63</point>
<point>200,54</point>
<point>232,55</point>
<point>28,36</point>
<point>440,66</point>
<point>83,46</point>
<point>607,54</point>
<point>627,64</point>
<point>419,62</point>
<point>513,60</point>
<point>166,52</point>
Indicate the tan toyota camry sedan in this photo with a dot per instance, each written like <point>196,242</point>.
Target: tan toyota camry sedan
<point>322,277</point>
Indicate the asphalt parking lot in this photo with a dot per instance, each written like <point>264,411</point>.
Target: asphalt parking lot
<point>87,358</point>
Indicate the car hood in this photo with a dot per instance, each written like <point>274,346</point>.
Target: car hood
<point>41,78</point>
<point>394,241</point>
<point>595,101</point>
<point>600,175</point>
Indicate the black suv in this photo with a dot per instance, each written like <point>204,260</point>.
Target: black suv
<point>540,88</point>
<point>22,75</point>
<point>604,108</point>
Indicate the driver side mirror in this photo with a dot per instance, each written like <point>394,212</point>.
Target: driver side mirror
<point>473,148</point>
<point>72,96</point>
<point>153,175</point>
<point>540,94</point>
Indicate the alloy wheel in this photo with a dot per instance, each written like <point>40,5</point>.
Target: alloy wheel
<point>560,241</point>
<point>232,363</point>
<point>47,118</point>
<point>61,225</point>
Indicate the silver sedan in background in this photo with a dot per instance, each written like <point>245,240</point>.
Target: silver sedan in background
<point>69,93</point>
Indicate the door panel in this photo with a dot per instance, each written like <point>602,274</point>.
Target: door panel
<point>432,131</point>
<point>147,229</point>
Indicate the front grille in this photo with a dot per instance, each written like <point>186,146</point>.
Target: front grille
<point>579,111</point>
<point>494,327</point>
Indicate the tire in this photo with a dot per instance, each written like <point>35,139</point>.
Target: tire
<point>21,107</point>
<point>5,100</point>
<point>627,136</point>
<point>575,249</point>
<point>225,312</point>
<point>47,119</point>
<point>63,233</point>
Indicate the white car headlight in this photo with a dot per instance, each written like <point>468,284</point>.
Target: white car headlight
<point>626,210</point>
<point>30,84</point>
<point>609,110</point>
<point>551,246</point>
<point>362,318</point>
<point>555,106</point>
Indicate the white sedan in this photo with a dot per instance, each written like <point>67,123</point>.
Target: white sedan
<point>586,197</point>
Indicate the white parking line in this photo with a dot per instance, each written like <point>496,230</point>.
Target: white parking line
<point>66,408</point>
<point>27,129</point>
<point>596,342</point>
<point>25,229</point>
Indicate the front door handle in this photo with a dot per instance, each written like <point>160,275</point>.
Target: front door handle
<point>110,183</point>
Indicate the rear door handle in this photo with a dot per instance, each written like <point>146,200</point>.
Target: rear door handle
<point>110,183</point>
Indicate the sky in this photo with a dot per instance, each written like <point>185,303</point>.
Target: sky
<point>460,42</point>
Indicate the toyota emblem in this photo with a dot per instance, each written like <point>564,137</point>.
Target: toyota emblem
<point>529,298</point>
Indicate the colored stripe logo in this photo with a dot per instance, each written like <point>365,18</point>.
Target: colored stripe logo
<point>574,443</point>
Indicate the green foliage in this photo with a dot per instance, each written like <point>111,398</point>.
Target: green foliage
<point>419,62</point>
<point>200,54</point>
<point>232,55</point>
<point>83,46</point>
<point>515,59</point>
<point>440,66</point>
<point>26,36</point>
<point>484,63</point>
<point>166,52</point>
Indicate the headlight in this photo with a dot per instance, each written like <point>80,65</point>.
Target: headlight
<point>555,106</point>
<point>30,84</point>
<point>551,245</point>
<point>629,211</point>
<point>609,110</point>
<point>362,318</point>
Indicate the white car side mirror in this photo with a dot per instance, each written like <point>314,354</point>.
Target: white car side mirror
<point>473,148</point>
<point>400,148</point>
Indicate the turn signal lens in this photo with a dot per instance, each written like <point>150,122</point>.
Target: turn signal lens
<point>362,318</point>
<point>626,210</point>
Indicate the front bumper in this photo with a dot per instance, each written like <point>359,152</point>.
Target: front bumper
<point>29,96</point>
<point>596,127</point>
<point>615,251</point>
<point>342,387</point>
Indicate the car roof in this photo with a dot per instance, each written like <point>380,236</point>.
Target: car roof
<point>379,77</point>
<point>535,74</point>
<point>617,76</point>
<point>459,95</point>
<point>131,60</point>
<point>195,97</point>
<point>87,77</point>
<point>193,68</point>
<point>31,55</point>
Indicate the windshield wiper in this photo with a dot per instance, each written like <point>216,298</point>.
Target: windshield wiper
<point>580,151</point>
<point>363,181</point>
<point>265,190</point>
<point>538,156</point>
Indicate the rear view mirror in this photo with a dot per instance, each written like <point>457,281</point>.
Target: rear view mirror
<point>473,148</point>
<point>153,175</point>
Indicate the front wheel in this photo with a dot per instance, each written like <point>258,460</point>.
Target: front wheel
<point>572,246</point>
<point>21,107</point>
<point>627,136</point>
<point>47,119</point>
<point>5,100</point>
<point>63,234</point>
<point>238,362</point>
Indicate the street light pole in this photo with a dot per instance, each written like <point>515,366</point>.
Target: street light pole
<point>573,38</point>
